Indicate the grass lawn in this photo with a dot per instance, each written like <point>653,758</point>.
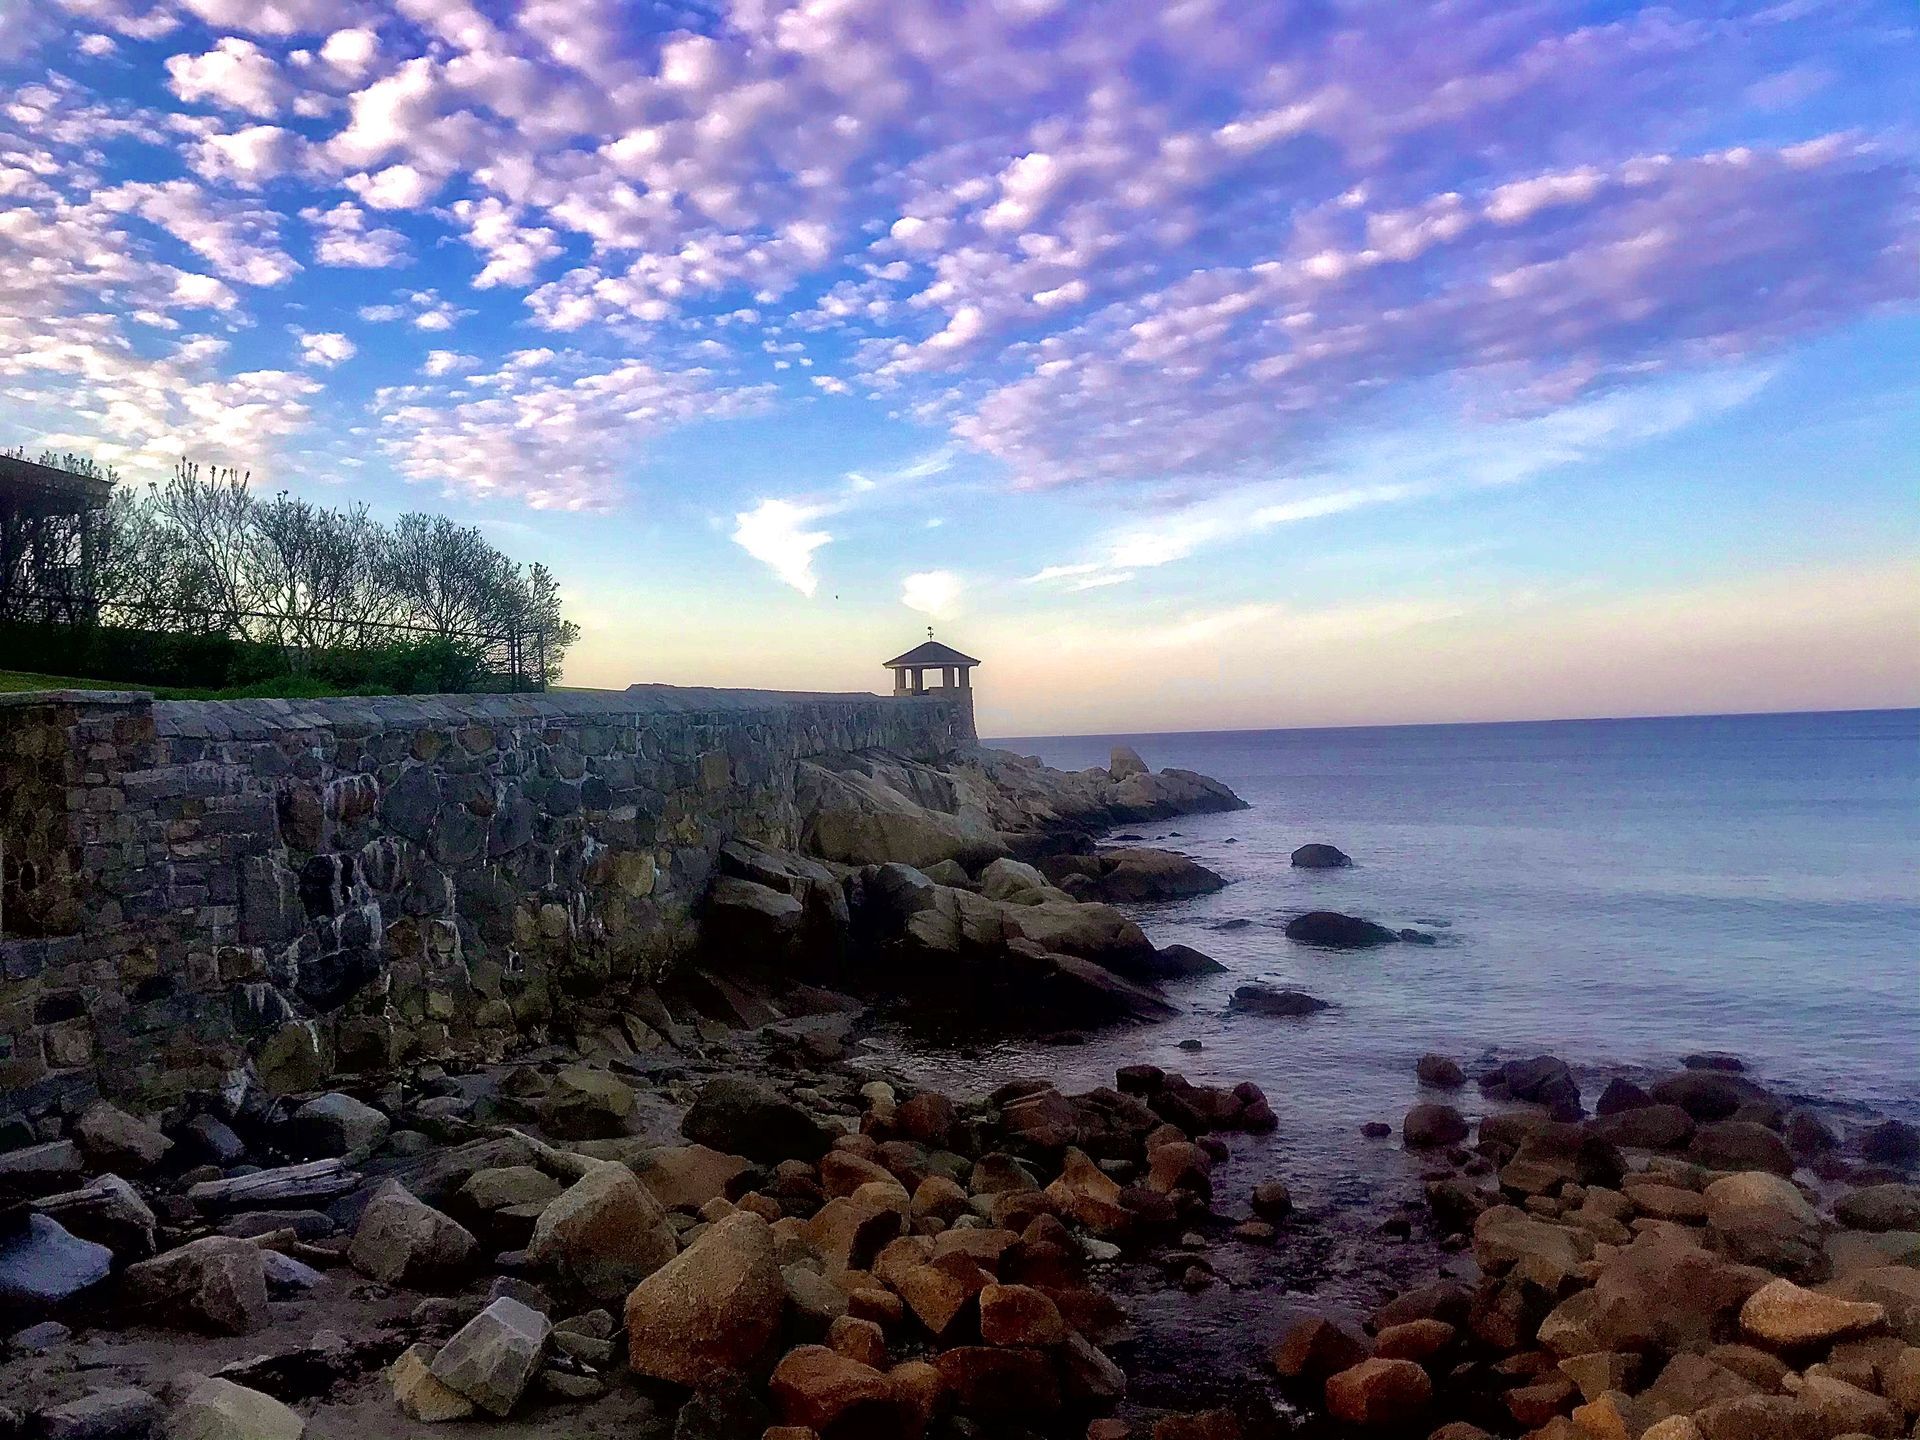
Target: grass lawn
<point>284,688</point>
<point>12,681</point>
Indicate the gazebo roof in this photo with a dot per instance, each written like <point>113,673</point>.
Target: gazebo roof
<point>48,490</point>
<point>930,653</point>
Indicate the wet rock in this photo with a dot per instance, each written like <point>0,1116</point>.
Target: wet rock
<point>1893,1143</point>
<point>1428,1126</point>
<point>1272,1201</point>
<point>1265,1000</point>
<point>1331,930</point>
<point>221,1410</point>
<point>1647,1127</point>
<point>742,1117</point>
<point>1182,962</point>
<point>716,1307</point>
<point>1808,1135</point>
<point>492,1358</point>
<point>603,1235</point>
<point>1880,1208</point>
<point>218,1284</point>
<point>1088,1195</point>
<point>1783,1316</point>
<point>115,1140</point>
<point>1741,1145</point>
<point>1317,856</point>
<point>125,1411</point>
<point>1380,1394</point>
<point>1554,1154</point>
<point>401,1240</point>
<point>1543,1080</point>
<point>1137,876</point>
<point>1706,1095</point>
<point>337,1124</point>
<point>43,1264</point>
<point>1619,1096</point>
<point>1442,1072</point>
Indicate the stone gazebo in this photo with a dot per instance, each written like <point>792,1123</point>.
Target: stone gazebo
<point>910,669</point>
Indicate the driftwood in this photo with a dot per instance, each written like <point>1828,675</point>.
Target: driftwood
<point>315,1180</point>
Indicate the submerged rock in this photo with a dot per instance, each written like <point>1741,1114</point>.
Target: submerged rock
<point>1265,1000</point>
<point>1320,857</point>
<point>1331,930</point>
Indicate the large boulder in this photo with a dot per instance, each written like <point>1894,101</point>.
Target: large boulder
<point>1664,1292</point>
<point>1330,930</point>
<point>1380,1395</point>
<point>1741,1145</point>
<point>218,1409</point>
<point>1091,931</point>
<point>1783,1316</point>
<point>401,1240</point>
<point>1136,875</point>
<point>1426,1126</point>
<point>217,1284</point>
<point>1008,879</point>
<point>1125,763</point>
<point>603,1235</point>
<point>715,1309</point>
<point>491,1359</point>
<point>743,1117</point>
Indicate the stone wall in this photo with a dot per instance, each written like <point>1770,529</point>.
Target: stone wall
<point>366,878</point>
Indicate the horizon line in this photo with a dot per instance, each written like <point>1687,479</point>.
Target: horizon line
<point>1461,724</point>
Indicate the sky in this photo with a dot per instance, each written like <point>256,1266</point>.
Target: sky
<point>1200,364</point>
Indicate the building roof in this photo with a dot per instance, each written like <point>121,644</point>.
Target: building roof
<point>930,653</point>
<point>44,489</point>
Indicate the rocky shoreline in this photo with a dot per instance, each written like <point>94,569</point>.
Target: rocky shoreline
<point>711,1212</point>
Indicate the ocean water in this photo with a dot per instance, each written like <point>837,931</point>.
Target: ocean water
<point>1618,893</point>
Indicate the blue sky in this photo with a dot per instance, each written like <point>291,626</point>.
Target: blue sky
<point>1196,364</point>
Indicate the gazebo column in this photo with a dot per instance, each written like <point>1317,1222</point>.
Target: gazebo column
<point>900,681</point>
<point>966,677</point>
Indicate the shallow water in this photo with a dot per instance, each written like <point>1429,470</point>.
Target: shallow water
<point>1619,893</point>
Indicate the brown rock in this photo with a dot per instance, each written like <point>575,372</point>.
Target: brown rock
<point>1020,1315</point>
<point>1086,1193</point>
<point>940,1291</point>
<point>820,1388</point>
<point>1417,1340</point>
<point>858,1339</point>
<point>685,1177</point>
<point>1205,1425</point>
<point>714,1308</point>
<point>1741,1145</point>
<point>1316,1348</point>
<point>1380,1394</point>
<point>1785,1317</point>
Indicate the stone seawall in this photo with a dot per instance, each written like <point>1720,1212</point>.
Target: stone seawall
<point>184,882</point>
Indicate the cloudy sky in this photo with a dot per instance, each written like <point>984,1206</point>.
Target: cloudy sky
<point>1201,363</point>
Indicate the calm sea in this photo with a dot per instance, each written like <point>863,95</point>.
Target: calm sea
<point>1619,892</point>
